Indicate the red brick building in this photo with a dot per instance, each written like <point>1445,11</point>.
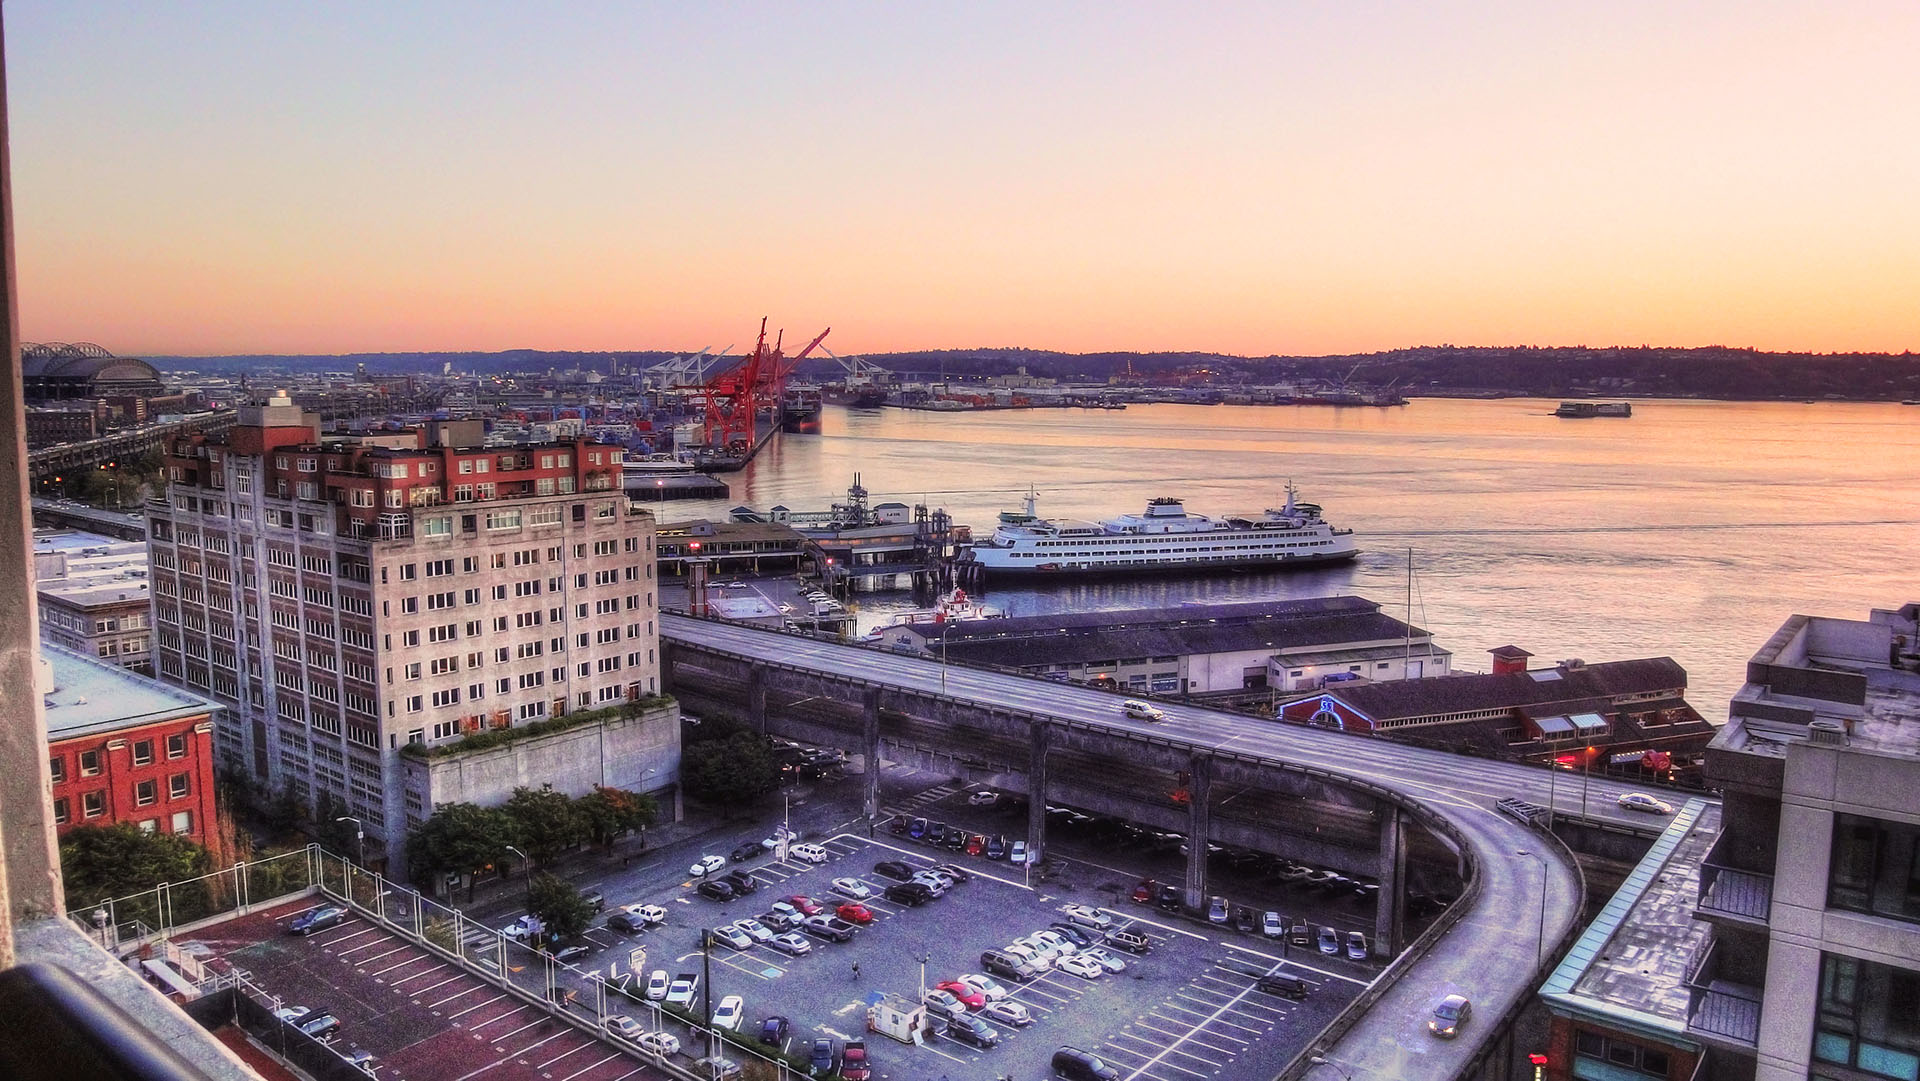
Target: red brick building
<point>125,748</point>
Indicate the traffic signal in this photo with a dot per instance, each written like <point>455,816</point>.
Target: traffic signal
<point>1536,1058</point>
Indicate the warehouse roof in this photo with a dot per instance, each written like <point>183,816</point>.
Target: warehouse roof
<point>1529,690</point>
<point>1078,637</point>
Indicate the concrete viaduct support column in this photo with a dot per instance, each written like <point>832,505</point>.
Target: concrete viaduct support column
<point>1199,795</point>
<point>757,697</point>
<point>1389,914</point>
<point>870,747</point>
<point>1040,740</point>
<point>666,669</point>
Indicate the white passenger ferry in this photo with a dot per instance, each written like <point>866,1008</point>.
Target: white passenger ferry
<point>1164,540</point>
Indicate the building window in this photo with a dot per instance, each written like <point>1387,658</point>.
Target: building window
<point>60,811</point>
<point>143,752</point>
<point>177,745</point>
<point>183,821</point>
<point>1875,867</point>
<point>1866,1017</point>
<point>58,767</point>
<point>93,804</point>
<point>89,763</point>
<point>1618,1054</point>
<point>145,793</point>
<point>178,786</point>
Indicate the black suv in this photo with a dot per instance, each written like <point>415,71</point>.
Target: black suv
<point>908,893</point>
<point>717,889</point>
<point>745,852</point>
<point>742,882</point>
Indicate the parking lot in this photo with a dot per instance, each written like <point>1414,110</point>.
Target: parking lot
<point>422,1016</point>
<point>1189,1008</point>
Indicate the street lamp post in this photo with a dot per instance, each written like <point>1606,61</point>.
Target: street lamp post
<point>1540,939</point>
<point>529,862</point>
<point>359,839</point>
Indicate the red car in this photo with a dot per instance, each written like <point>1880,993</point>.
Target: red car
<point>807,905</point>
<point>976,844</point>
<point>970,998</point>
<point>854,913</point>
<point>1143,893</point>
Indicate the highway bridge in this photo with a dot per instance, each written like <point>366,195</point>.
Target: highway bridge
<point>48,462</point>
<point>1523,894</point>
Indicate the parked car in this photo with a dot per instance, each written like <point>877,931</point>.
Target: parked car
<point>715,1068</point>
<point>597,899</point>
<point>1101,956</point>
<point>715,889</point>
<point>621,1025</point>
<point>1008,1012</point>
<point>943,1003</point>
<point>996,848</point>
<point>1018,853</point>
<point>1169,899</point>
<point>1640,801</point>
<point>657,982</point>
<point>1039,961</point>
<point>745,852</point>
<point>706,865</point>
<point>935,885</point>
<point>754,929</point>
<point>773,1031</point>
<point>1217,910</point>
<point>1357,946</point>
<point>1143,892</point>
<point>1087,916</point>
<point>1073,1064</point>
<point>823,1057</point>
<point>893,869</point>
<point>968,996</point>
<point>1005,964</point>
<point>855,912</point>
<point>567,955</point>
<point>918,829</point>
<point>806,906</point>
<point>1329,941</point>
<point>1080,966</point>
<point>1129,940</point>
<point>317,919</point>
<point>989,988</point>
<point>318,1025</point>
<point>900,825</point>
<point>1448,1017</point>
<point>983,798</point>
<point>972,1030</point>
<point>1243,920</point>
<point>1273,925</point>
<point>1079,936</point>
<point>291,1014</point>
<point>853,888</point>
<point>832,928</point>
<point>908,893</point>
<point>730,1013</point>
<point>660,1043</point>
<point>808,853</point>
<point>791,943</point>
<point>1299,934</point>
<point>625,923</point>
<point>955,873</point>
<point>1292,987</point>
<point>733,936</point>
<point>524,929</point>
<point>854,1063</point>
<point>680,991</point>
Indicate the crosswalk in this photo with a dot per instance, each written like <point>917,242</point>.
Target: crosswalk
<point>921,799</point>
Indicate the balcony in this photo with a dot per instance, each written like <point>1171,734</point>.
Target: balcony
<point>1721,1013</point>
<point>1730,895</point>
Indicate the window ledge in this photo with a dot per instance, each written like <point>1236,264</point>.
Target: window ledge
<point>59,943</point>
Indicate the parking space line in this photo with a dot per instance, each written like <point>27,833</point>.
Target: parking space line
<point>1189,1033</point>
<point>401,948</point>
<point>535,1023</point>
<point>542,1043</point>
<point>1298,964</point>
<point>405,963</point>
<point>473,1007</point>
<point>514,1012</point>
<point>595,1066</point>
<point>564,1054</point>
<point>343,935</point>
<point>1182,1009</point>
<point>436,986</point>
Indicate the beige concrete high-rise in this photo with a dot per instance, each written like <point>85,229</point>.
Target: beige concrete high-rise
<point>346,597</point>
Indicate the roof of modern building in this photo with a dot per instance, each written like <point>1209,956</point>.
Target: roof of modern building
<point>1630,965</point>
<point>79,542</point>
<point>97,590</point>
<point>1566,686</point>
<point>1862,674</point>
<point>90,697</point>
<point>1065,637</point>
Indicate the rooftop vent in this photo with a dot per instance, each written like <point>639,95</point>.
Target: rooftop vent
<point>1827,733</point>
<point>1573,664</point>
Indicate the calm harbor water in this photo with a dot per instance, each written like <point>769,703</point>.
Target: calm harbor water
<point>1690,530</point>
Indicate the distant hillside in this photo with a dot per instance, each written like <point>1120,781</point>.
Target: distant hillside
<point>1546,371</point>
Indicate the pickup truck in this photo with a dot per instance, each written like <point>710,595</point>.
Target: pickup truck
<point>524,928</point>
<point>680,991</point>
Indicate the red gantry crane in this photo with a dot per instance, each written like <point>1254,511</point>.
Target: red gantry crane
<point>737,395</point>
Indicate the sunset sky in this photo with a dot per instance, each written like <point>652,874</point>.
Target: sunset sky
<point>205,178</point>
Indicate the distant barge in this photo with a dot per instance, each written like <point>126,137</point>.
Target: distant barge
<point>1594,409</point>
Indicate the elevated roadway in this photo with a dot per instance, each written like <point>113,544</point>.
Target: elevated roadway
<point>1523,896</point>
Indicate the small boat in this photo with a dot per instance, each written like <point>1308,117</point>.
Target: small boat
<point>952,608</point>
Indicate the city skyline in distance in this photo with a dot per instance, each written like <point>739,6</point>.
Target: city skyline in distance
<point>217,178</point>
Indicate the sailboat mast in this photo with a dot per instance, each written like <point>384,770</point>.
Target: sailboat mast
<point>1406,664</point>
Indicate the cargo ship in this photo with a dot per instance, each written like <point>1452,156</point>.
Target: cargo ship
<point>1165,540</point>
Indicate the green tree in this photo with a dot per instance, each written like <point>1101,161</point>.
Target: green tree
<point>559,905</point>
<point>550,822</point>
<point>460,838</point>
<point>439,931</point>
<point>737,770</point>
<point>99,863</point>
<point>612,813</point>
